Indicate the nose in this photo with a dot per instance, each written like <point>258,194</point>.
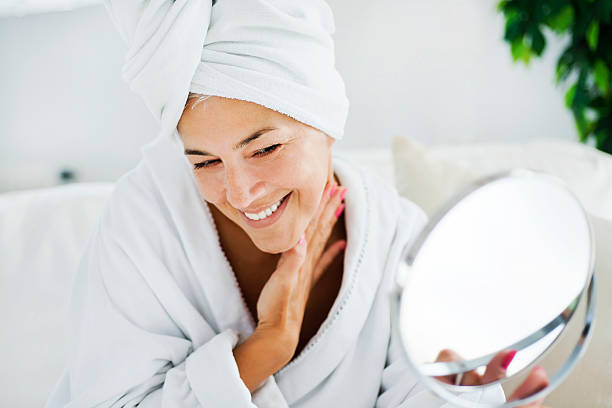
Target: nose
<point>241,187</point>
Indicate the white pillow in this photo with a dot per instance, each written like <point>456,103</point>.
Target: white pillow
<point>42,235</point>
<point>430,176</point>
<point>424,178</point>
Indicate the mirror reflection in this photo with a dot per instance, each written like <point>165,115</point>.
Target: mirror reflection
<point>494,278</point>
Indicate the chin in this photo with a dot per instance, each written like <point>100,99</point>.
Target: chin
<point>276,247</point>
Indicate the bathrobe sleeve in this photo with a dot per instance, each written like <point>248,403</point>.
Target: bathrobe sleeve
<point>127,348</point>
<point>400,388</point>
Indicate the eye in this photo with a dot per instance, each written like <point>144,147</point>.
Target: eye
<point>266,150</point>
<point>259,153</point>
<point>207,163</point>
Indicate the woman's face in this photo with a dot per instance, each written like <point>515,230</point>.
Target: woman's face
<point>246,158</point>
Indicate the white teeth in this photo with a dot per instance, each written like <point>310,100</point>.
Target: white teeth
<point>264,213</point>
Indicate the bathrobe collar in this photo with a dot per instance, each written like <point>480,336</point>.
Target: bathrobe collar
<point>350,309</point>
<point>360,280</point>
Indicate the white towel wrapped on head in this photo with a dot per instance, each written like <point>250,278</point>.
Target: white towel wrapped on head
<point>276,53</point>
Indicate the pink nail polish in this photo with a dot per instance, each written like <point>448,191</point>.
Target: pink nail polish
<point>332,190</point>
<point>508,359</point>
<point>339,210</point>
<point>343,194</point>
<point>343,245</point>
<point>302,239</point>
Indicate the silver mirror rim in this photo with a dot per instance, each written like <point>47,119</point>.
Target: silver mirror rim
<point>409,255</point>
<point>446,391</point>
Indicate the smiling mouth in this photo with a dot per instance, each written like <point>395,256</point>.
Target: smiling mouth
<point>262,215</point>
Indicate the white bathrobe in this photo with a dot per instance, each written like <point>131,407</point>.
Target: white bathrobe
<point>156,309</point>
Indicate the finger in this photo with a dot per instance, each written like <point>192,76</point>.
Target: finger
<point>293,259</point>
<point>497,367</point>
<point>471,378</point>
<point>330,213</point>
<point>328,192</point>
<point>444,356</point>
<point>325,224</point>
<point>327,257</point>
<point>536,381</point>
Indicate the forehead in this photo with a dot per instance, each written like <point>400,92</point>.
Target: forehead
<point>225,119</point>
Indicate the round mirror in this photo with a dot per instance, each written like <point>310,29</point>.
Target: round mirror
<point>502,268</point>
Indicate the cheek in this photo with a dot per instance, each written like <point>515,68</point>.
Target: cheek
<point>210,188</point>
<point>308,173</point>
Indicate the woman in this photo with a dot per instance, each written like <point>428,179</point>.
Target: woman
<point>241,263</point>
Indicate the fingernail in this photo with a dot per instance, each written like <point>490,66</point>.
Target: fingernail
<point>332,190</point>
<point>508,359</point>
<point>339,210</point>
<point>343,194</point>
<point>302,239</point>
<point>343,245</point>
<point>538,368</point>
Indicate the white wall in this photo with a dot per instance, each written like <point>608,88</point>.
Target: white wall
<point>62,101</point>
<point>440,72</point>
<point>437,71</point>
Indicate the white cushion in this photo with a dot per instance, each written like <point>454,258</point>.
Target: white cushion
<point>43,232</point>
<point>588,385</point>
<point>42,235</point>
<point>429,176</point>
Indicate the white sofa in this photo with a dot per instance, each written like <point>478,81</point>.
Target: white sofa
<point>42,233</point>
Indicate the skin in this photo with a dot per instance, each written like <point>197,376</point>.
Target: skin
<point>291,157</point>
<point>275,272</point>
<point>496,370</point>
<point>240,180</point>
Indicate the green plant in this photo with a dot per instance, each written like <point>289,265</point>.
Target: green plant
<point>586,61</point>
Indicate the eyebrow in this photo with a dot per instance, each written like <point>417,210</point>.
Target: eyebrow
<point>238,145</point>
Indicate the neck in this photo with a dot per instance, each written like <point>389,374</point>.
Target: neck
<point>236,243</point>
<point>242,252</point>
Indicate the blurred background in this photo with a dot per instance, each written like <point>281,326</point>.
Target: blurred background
<point>438,72</point>
<point>439,97</point>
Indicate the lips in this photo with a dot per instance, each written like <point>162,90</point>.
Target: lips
<point>271,219</point>
<point>260,215</point>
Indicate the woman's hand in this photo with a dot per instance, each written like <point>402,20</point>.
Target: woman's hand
<point>496,370</point>
<point>281,304</point>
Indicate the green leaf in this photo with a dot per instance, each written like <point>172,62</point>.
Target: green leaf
<point>582,125</point>
<point>520,50</point>
<point>562,21</point>
<point>592,34</point>
<point>569,96</point>
<point>565,64</point>
<point>581,96</point>
<point>538,42</point>
<point>599,104</point>
<point>562,72</point>
<point>604,11</point>
<point>602,76</point>
<point>515,27</point>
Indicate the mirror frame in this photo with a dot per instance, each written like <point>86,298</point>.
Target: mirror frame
<point>451,393</point>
